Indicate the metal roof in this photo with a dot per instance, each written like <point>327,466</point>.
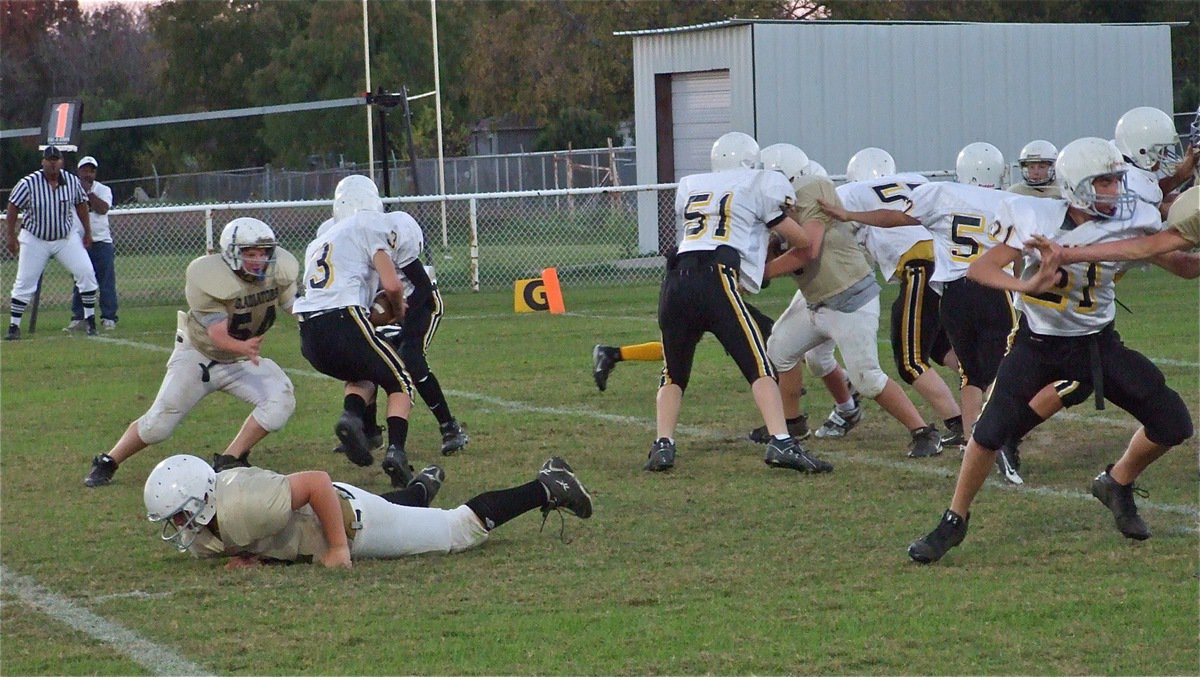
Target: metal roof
<point>726,23</point>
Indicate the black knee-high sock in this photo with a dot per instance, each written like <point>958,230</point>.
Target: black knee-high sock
<point>355,405</point>
<point>431,391</point>
<point>370,417</point>
<point>413,495</point>
<point>397,431</point>
<point>497,507</point>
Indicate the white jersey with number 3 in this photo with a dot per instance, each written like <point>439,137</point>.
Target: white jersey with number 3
<point>338,271</point>
<point>734,208</point>
<point>1082,302</point>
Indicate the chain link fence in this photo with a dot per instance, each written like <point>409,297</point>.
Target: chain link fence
<point>474,241</point>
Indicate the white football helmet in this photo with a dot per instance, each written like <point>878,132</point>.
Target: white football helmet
<point>980,164</point>
<point>1082,161</point>
<point>1147,137</point>
<point>870,163</point>
<point>181,485</point>
<point>355,193</point>
<point>814,168</point>
<point>1038,151</point>
<point>785,158</point>
<point>734,150</point>
<point>247,232</point>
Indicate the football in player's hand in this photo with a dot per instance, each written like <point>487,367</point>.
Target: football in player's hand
<point>382,310</point>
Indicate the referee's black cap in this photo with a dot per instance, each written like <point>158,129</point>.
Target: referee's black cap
<point>51,152</point>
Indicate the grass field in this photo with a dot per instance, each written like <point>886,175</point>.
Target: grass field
<point>720,566</point>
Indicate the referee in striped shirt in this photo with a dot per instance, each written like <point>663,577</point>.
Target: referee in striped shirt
<point>46,199</point>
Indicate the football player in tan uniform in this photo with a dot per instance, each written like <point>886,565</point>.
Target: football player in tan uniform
<point>838,299</point>
<point>256,516</point>
<point>232,300</point>
<point>1037,170</point>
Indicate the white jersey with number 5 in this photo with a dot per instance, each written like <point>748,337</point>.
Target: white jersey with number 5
<point>961,219</point>
<point>1082,302</point>
<point>338,271</point>
<point>886,247</point>
<point>735,208</point>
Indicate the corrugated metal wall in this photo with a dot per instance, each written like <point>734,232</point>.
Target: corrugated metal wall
<point>728,49</point>
<point>924,91</point>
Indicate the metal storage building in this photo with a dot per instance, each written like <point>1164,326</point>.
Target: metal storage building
<point>920,90</point>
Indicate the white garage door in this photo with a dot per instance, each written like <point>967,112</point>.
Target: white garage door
<point>700,110</point>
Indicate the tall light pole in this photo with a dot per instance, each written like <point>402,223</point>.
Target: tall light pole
<point>367,66</point>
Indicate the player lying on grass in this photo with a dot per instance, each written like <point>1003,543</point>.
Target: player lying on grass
<point>257,516</point>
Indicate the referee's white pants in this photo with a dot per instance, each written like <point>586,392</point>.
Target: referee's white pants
<point>36,252</point>
<point>799,330</point>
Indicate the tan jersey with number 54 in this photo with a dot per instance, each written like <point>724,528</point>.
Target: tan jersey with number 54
<point>215,292</point>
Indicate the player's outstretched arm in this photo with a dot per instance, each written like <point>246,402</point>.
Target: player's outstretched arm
<point>1133,249</point>
<point>883,218</point>
<point>989,270</point>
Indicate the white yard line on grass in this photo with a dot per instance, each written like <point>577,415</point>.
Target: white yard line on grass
<point>157,659</point>
<point>697,431</point>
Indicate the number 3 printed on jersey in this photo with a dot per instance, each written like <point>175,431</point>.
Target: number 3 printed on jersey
<point>324,264</point>
<point>699,214</point>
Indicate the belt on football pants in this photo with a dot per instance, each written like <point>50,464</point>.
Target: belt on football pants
<point>317,313</point>
<point>351,517</point>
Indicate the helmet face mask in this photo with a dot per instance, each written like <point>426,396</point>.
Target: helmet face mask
<point>180,493</point>
<point>1034,155</point>
<point>1084,162</point>
<point>1147,137</point>
<point>355,193</point>
<point>180,529</point>
<point>734,150</point>
<point>870,163</point>
<point>248,234</point>
<point>980,164</point>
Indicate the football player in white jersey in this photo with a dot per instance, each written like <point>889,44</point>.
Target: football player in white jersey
<point>724,219</point>
<point>1066,332</point>
<point>232,299</point>
<point>904,256</point>
<point>838,299</point>
<point>254,516</point>
<point>1146,137</point>
<point>422,317</point>
<point>343,268</point>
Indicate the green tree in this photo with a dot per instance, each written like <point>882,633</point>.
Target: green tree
<point>540,58</point>
<point>577,128</point>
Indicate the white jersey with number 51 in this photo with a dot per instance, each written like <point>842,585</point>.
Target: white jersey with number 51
<point>735,208</point>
